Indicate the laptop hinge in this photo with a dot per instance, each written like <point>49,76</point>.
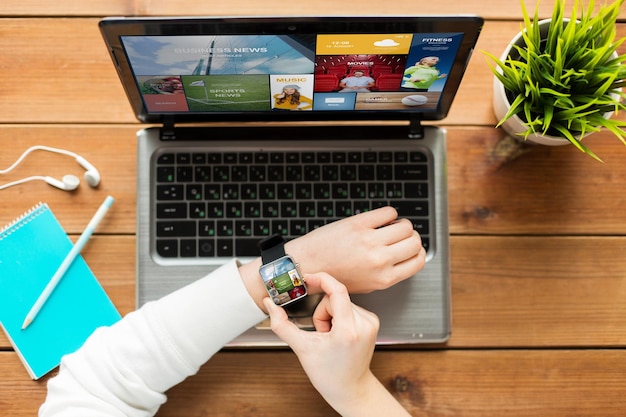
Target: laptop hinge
<point>416,130</point>
<point>167,131</point>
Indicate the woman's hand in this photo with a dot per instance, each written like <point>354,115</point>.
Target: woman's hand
<point>366,252</point>
<point>336,357</point>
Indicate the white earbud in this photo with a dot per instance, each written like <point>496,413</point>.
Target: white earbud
<point>92,176</point>
<point>69,182</point>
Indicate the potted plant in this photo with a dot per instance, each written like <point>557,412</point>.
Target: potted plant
<point>561,79</point>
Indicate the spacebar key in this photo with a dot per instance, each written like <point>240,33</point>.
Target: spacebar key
<point>247,247</point>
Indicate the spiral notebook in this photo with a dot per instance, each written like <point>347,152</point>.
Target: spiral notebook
<point>31,249</point>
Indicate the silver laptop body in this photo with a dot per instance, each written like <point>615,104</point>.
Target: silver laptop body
<point>181,95</point>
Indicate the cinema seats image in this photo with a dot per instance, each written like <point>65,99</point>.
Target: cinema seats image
<point>388,82</point>
<point>326,83</point>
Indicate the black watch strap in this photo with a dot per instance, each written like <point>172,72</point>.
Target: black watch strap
<point>272,248</point>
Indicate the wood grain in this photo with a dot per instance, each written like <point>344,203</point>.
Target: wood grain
<point>515,383</point>
<point>491,9</point>
<point>538,234</point>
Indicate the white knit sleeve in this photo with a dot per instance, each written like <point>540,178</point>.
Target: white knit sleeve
<point>125,369</point>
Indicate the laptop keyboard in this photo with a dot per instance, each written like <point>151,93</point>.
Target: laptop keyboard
<point>212,204</point>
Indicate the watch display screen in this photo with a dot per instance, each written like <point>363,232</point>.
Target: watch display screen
<point>283,281</point>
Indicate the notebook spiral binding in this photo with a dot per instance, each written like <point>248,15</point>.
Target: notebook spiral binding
<point>23,219</point>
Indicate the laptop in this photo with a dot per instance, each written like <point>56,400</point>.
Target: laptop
<point>263,125</point>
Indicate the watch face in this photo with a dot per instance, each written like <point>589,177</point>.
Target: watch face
<point>283,281</point>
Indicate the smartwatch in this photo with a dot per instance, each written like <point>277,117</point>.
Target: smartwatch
<point>279,272</point>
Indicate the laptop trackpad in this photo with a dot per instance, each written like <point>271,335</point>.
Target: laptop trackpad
<point>299,313</point>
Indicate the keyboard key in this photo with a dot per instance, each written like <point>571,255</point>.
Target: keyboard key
<point>416,156</point>
<point>183,158</point>
<point>257,173</point>
<point>285,191</point>
<point>261,228</point>
<point>421,226</point>
<point>165,174</point>
<point>206,248</point>
<point>416,190</point>
<point>175,228</point>
<point>303,191</point>
<point>171,210</point>
<point>289,209</point>
<point>321,191</point>
<point>225,247</point>
<point>298,227</point>
<point>167,248</point>
<point>267,191</point>
<point>170,192</point>
<point>166,159</point>
<point>202,174</point>
<point>243,228</point>
<point>184,173</point>
<point>293,173</point>
<point>198,158</point>
<point>215,210</point>
<point>330,172</point>
<point>280,227</point>
<point>234,210</point>
<point>270,209</point>
<point>249,191</point>
<point>252,209</point>
<point>193,192</point>
<point>197,210</point>
<point>411,172</point>
<point>225,228</point>
<point>247,247</point>
<point>207,228</point>
<point>367,172</point>
<point>411,208</point>
<point>188,248</point>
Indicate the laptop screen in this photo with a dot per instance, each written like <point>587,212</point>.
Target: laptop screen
<point>207,69</point>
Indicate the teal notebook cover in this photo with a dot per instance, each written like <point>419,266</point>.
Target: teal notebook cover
<point>31,249</point>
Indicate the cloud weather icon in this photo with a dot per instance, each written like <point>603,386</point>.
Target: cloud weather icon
<point>386,43</point>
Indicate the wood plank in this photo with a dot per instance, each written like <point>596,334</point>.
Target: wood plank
<point>491,9</point>
<point>79,84</point>
<point>538,291</point>
<point>68,8</point>
<point>111,149</point>
<point>64,73</point>
<point>499,185</point>
<point>506,291</point>
<point>516,383</point>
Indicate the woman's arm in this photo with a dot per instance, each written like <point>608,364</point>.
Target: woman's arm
<point>124,370</point>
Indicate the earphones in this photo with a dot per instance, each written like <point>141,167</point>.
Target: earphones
<point>69,182</point>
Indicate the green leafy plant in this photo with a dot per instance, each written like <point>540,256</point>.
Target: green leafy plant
<point>563,82</point>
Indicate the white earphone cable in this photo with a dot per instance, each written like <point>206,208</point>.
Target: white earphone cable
<point>32,149</point>
<point>22,181</point>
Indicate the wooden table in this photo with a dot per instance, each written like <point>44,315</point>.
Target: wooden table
<point>537,233</point>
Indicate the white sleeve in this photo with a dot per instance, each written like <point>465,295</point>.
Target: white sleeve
<point>125,369</point>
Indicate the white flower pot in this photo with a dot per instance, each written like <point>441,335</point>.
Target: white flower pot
<point>514,125</point>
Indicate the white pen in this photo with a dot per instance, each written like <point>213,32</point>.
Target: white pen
<point>73,253</point>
